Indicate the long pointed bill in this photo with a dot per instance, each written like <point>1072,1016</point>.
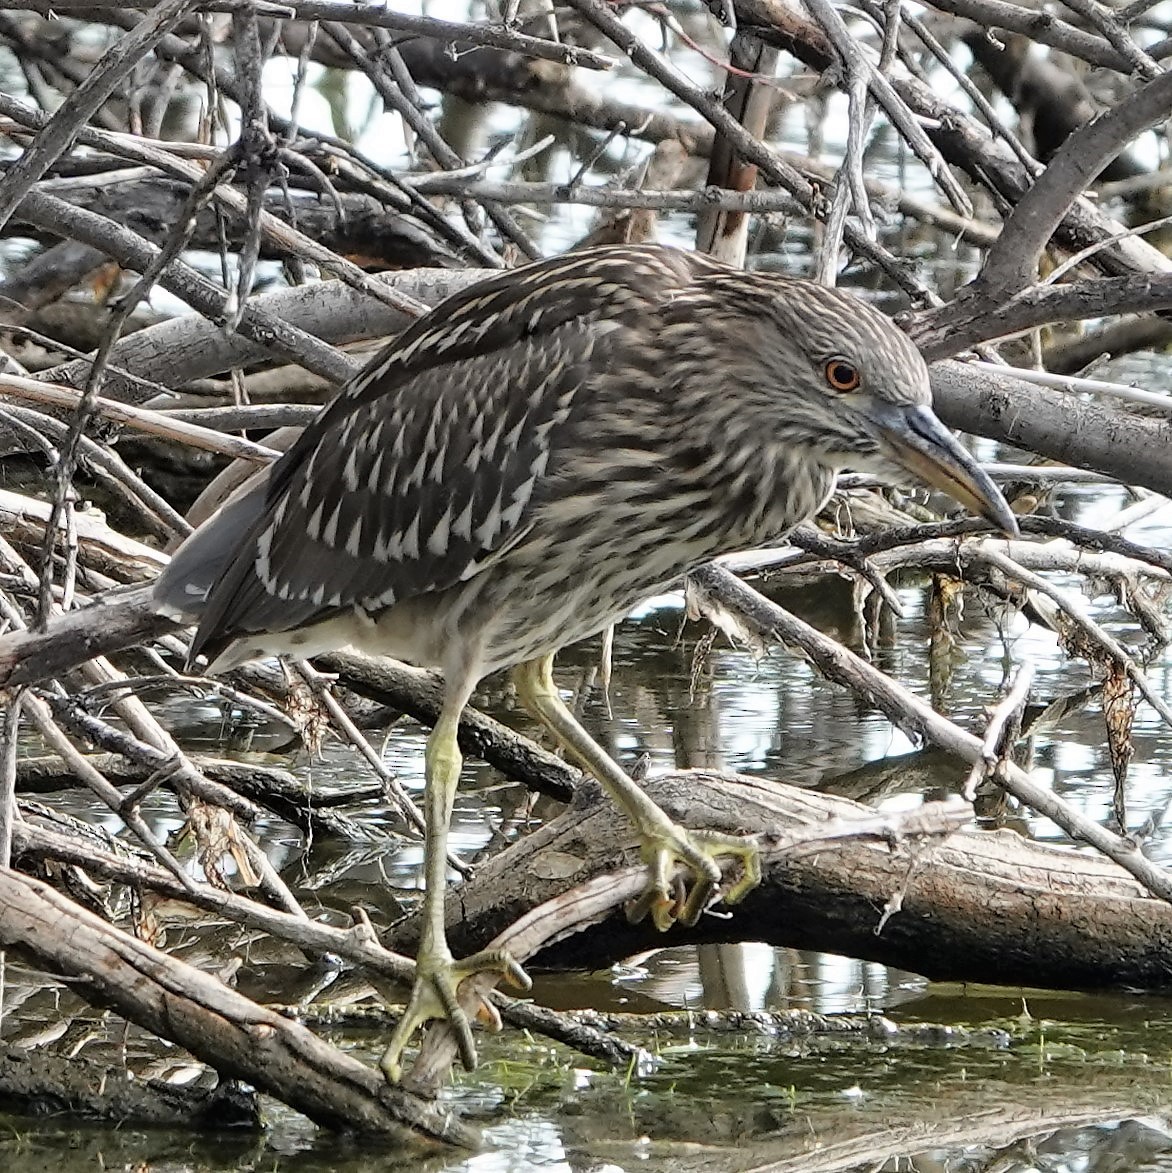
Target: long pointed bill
<point>916,439</point>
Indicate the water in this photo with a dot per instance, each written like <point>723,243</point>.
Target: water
<point>1028,1080</point>
<point>1087,1074</point>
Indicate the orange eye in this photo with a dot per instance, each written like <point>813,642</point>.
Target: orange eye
<point>841,374</point>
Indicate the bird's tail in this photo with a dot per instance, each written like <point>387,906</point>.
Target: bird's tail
<point>182,589</point>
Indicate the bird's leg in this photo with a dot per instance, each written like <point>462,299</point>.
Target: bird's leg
<point>664,843</point>
<point>437,975</point>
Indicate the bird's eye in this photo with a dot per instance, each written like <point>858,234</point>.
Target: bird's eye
<point>842,374</point>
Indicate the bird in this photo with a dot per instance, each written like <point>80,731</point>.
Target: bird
<point>520,467</point>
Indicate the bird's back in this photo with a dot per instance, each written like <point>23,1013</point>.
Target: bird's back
<point>430,464</point>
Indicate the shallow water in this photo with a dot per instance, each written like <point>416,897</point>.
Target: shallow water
<point>1046,1080</point>
<point>1039,1081</point>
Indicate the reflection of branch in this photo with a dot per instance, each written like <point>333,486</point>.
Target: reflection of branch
<point>581,904</point>
<point>840,1143</point>
<point>32,1078</point>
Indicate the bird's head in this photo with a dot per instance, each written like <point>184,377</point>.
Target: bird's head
<point>844,381</point>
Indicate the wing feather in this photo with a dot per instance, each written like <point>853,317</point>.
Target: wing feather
<point>427,464</point>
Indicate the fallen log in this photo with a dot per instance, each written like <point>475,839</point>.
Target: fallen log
<point>975,906</point>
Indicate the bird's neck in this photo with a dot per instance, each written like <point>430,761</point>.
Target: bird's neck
<point>762,488</point>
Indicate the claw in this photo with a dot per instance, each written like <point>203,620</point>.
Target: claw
<point>664,843</point>
<point>436,995</point>
<point>664,898</point>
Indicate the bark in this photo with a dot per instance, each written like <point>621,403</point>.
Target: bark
<point>193,347</point>
<point>276,790</point>
<point>1052,423</point>
<point>1064,427</point>
<point>226,1030</point>
<point>1054,100</point>
<point>970,906</point>
<point>979,907</point>
<point>38,1084</point>
<point>1011,264</point>
<point>355,226</point>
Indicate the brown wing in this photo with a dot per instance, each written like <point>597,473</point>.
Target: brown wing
<point>425,466</point>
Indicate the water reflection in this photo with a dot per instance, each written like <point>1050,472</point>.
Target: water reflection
<point>749,977</point>
<point>775,717</point>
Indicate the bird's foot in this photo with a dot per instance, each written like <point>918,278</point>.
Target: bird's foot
<point>436,995</point>
<point>664,899</point>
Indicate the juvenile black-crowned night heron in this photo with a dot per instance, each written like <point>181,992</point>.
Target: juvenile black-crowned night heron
<point>523,465</point>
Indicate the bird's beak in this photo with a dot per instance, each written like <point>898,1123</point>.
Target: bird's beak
<point>916,439</point>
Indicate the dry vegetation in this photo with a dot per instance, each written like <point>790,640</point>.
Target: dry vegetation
<point>143,156</point>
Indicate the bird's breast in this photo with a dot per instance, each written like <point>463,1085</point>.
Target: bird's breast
<point>590,556</point>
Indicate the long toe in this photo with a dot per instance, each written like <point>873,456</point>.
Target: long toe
<point>665,848</point>
<point>436,995</point>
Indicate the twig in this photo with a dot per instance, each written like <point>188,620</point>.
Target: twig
<point>592,901</point>
<point>984,316</point>
<point>772,166</point>
<point>42,718</point>
<point>901,117</point>
<point>134,252</point>
<point>1078,386</point>
<point>59,132</point>
<point>319,683</point>
<point>994,747</point>
<point>272,227</point>
<point>157,514</point>
<point>141,419</point>
<point>8,813</point>
<point>1042,27</point>
<point>1104,20</point>
<point>1073,607</point>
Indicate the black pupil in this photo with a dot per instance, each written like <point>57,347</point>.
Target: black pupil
<point>842,375</point>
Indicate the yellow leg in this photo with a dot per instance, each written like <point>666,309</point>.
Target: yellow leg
<point>664,843</point>
<point>437,975</point>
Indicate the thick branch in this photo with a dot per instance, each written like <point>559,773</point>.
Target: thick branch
<point>973,908</point>
<point>1012,262</point>
<point>982,316</point>
<point>976,906</point>
<point>224,1029</point>
<point>1068,428</point>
